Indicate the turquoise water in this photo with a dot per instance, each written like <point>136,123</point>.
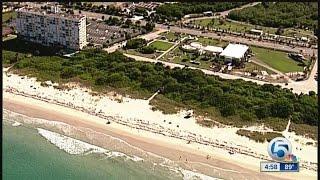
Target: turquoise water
<point>27,155</point>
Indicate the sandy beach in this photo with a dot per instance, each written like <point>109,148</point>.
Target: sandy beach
<point>151,131</point>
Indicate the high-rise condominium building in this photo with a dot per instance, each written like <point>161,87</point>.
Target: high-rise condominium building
<point>52,27</point>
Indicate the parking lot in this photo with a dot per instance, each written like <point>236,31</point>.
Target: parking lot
<point>100,33</point>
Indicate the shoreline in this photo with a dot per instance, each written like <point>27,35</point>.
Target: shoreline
<point>207,150</point>
<point>35,108</point>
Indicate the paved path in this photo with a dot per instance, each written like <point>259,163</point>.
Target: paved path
<point>297,87</point>
<point>172,47</point>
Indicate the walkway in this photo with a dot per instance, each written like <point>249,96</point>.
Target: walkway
<point>172,47</point>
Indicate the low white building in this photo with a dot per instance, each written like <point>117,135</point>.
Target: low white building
<point>235,51</point>
<point>188,48</point>
<point>196,45</point>
<point>208,13</point>
<point>137,18</point>
<point>256,32</point>
<point>213,49</point>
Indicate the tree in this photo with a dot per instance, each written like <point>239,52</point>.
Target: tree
<point>281,108</point>
<point>147,50</point>
<point>279,31</point>
<point>135,43</point>
<point>149,26</point>
<point>68,72</point>
<point>312,93</point>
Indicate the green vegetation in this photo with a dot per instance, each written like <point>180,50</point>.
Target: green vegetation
<point>277,59</point>
<point>258,136</point>
<point>170,36</point>
<point>87,6</point>
<point>135,43</point>
<point>167,106</point>
<point>113,21</point>
<point>230,101</point>
<point>212,42</point>
<point>250,67</point>
<point>304,130</point>
<point>161,45</point>
<point>279,14</point>
<point>243,27</point>
<point>147,49</point>
<point>177,10</point>
<point>8,15</point>
<point>232,26</point>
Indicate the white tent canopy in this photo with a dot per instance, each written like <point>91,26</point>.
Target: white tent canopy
<point>213,49</point>
<point>234,51</point>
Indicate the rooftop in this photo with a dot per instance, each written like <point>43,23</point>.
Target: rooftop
<point>235,51</point>
<point>214,49</point>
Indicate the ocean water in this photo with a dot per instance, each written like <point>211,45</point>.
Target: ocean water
<point>31,152</point>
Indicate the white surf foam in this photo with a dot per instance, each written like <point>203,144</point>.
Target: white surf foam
<point>190,175</point>
<point>15,124</point>
<point>76,147</point>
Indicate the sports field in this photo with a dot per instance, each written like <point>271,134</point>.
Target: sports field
<point>277,59</point>
<point>161,45</point>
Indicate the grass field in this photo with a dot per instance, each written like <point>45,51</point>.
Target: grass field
<point>137,53</point>
<point>276,59</point>
<point>250,67</point>
<point>170,36</point>
<point>244,27</point>
<point>161,45</point>
<point>6,16</point>
<point>213,42</point>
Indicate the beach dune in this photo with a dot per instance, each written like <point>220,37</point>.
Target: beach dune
<point>195,147</point>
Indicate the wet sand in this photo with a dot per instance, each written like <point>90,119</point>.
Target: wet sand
<point>182,155</point>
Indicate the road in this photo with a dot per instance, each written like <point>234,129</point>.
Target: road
<point>297,87</point>
<point>308,51</point>
<point>223,13</point>
<point>239,39</point>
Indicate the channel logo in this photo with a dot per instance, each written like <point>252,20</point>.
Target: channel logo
<point>279,149</point>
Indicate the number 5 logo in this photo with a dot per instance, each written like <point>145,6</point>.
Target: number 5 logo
<point>279,148</point>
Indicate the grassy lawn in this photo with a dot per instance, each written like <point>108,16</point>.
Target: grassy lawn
<point>244,27</point>
<point>233,26</point>
<point>170,36</point>
<point>212,42</point>
<point>135,52</point>
<point>6,16</point>
<point>276,59</point>
<point>250,67</point>
<point>161,45</point>
<point>177,56</point>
